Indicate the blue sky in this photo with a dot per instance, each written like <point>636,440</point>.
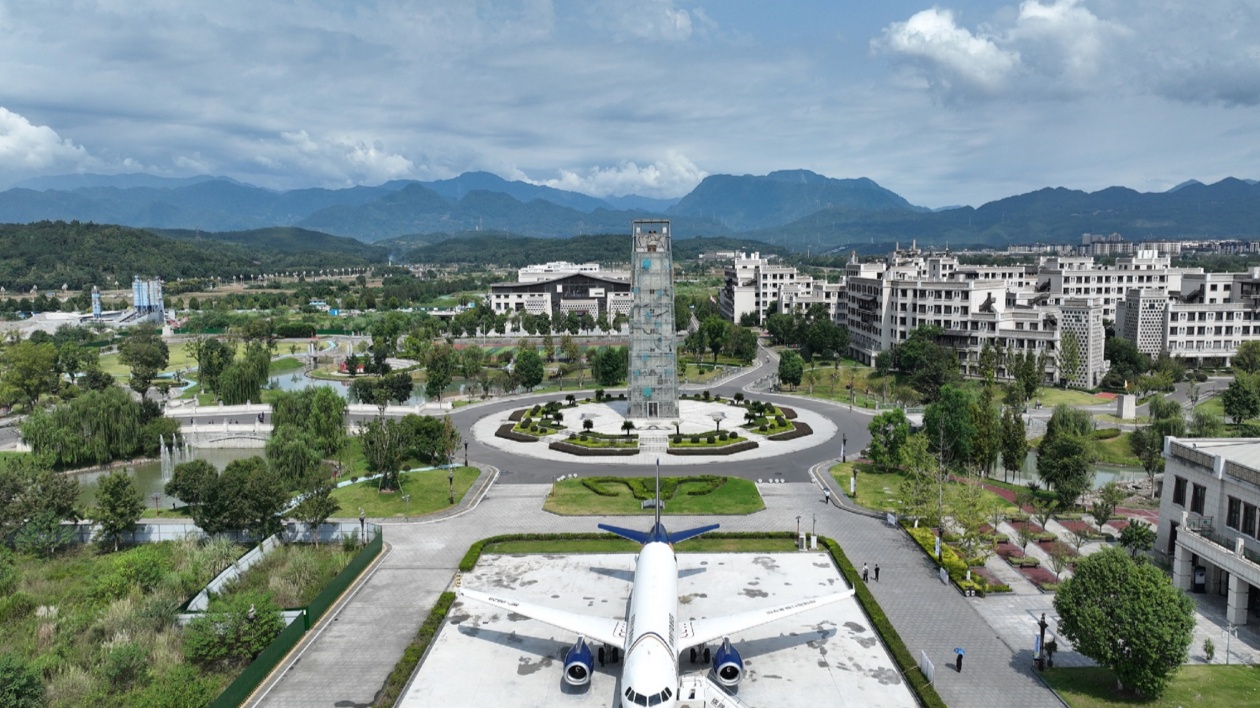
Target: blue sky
<point>961,102</point>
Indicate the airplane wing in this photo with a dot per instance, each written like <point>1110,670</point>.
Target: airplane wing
<point>696,632</point>
<point>599,629</point>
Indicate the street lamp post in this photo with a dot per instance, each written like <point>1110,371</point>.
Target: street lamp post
<point>465,453</point>
<point>844,448</point>
<point>1041,645</point>
<point>450,478</point>
<point>362,526</point>
<point>407,503</point>
<point>157,510</point>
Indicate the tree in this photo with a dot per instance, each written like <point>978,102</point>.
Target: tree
<point>190,483</point>
<point>928,364</point>
<point>1148,445</point>
<point>471,361</point>
<point>969,508</point>
<point>610,365</point>
<point>293,455</point>
<point>20,683</point>
<point>1014,441</point>
<point>987,442</point>
<point>1241,400</point>
<point>317,504</point>
<point>791,368</point>
<point>715,332</point>
<point>32,495</point>
<point>1069,357</point>
<point>259,494</point>
<point>318,411</point>
<point>119,506</point>
<point>948,425</point>
<point>1127,363</point>
<point>235,629</point>
<point>529,368</point>
<point>1066,456</point>
<point>889,431</point>
<point>741,343</point>
<point>627,425</point>
<point>439,371</point>
<point>919,493</point>
<point>1138,537</point>
<point>146,354</point>
<point>384,442</point>
<point>1128,617</point>
<point>1104,508</point>
<point>1206,424</point>
<point>1247,360</point>
<point>27,372</point>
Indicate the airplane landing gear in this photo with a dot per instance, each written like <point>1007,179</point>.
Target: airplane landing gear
<point>699,655</point>
<point>609,654</point>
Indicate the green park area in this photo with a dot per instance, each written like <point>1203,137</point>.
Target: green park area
<point>1199,685</point>
<point>881,491</point>
<point>429,491</point>
<point>698,495</point>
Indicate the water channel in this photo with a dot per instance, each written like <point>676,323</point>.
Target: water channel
<point>1102,473</point>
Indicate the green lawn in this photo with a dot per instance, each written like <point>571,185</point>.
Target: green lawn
<point>9,454</point>
<point>428,491</point>
<point>1051,397</point>
<point>1199,685</point>
<point>876,491</point>
<point>572,498</point>
<point>284,365</point>
<point>620,545</point>
<point>1116,451</point>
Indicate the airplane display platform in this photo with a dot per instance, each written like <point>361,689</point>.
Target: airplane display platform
<point>829,656</point>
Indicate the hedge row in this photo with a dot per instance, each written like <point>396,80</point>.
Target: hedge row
<point>726,450</point>
<point>397,680</point>
<point>905,660</point>
<point>580,451</point>
<point>506,431</point>
<point>1106,433</point>
<point>644,488</point>
<point>800,431</point>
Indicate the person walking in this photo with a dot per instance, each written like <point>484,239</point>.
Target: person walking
<point>827,496</point>
<point>877,572</point>
<point>866,573</point>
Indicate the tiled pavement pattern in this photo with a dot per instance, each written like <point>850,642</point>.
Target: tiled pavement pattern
<point>347,662</point>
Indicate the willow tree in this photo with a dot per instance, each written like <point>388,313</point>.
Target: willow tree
<point>384,442</point>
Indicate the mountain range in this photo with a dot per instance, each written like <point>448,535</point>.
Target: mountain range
<point>794,209</point>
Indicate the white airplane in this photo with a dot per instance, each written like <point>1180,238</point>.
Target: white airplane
<point>652,636</point>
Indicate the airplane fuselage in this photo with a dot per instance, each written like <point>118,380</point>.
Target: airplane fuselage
<point>650,673</point>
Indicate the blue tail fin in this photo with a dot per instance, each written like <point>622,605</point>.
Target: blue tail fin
<point>629,534</point>
<point>691,533</point>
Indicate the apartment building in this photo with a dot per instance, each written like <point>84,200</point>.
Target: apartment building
<point>753,283</point>
<point>1204,321</point>
<point>1209,520</point>
<point>592,293</point>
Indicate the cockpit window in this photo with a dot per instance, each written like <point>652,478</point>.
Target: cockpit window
<point>653,700</point>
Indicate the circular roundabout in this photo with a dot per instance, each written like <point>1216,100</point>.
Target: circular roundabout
<point>704,432</point>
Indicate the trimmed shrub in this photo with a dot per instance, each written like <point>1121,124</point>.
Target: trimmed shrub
<point>677,439</point>
<point>695,439</point>
<point>1106,433</point>
<point>710,439</point>
<point>763,427</point>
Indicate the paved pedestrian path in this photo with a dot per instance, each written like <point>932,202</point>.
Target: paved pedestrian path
<point>347,662</point>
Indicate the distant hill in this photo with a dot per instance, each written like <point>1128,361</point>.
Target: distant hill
<point>48,254</point>
<point>283,239</point>
<point>795,208</point>
<point>416,209</point>
<point>1228,209</point>
<point>516,251</point>
<point>751,202</point>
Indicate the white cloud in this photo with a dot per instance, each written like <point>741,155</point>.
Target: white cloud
<point>649,19</point>
<point>25,147</point>
<point>349,159</point>
<point>951,56</point>
<point>1049,49</point>
<point>668,177</point>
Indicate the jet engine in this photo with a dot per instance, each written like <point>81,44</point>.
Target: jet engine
<point>578,664</point>
<point>728,666</point>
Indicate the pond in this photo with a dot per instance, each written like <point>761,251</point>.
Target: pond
<point>151,477</point>
<point>1102,473</point>
<point>296,381</point>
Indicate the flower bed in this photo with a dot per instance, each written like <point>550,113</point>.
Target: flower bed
<point>506,432</point>
<point>991,581</point>
<point>593,451</point>
<point>717,449</point>
<point>788,413</point>
<point>800,430</point>
<point>1012,554</point>
<point>1041,578</point>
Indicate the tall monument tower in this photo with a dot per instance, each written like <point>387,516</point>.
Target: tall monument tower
<point>653,376</point>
